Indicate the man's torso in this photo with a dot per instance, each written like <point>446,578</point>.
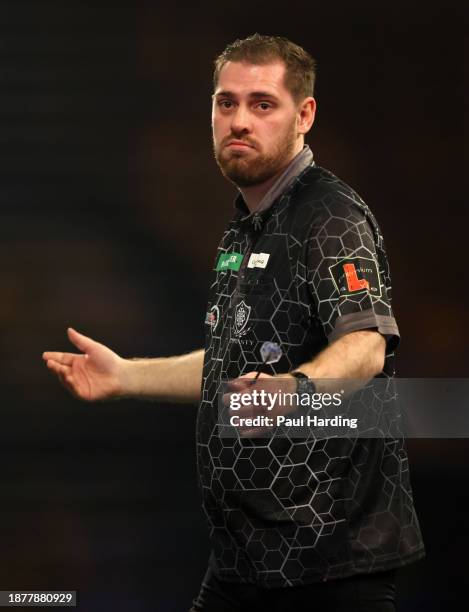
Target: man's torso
<point>287,512</point>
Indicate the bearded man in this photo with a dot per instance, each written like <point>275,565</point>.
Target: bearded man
<point>319,523</point>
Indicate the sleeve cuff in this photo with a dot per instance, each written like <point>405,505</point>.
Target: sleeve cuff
<point>366,319</point>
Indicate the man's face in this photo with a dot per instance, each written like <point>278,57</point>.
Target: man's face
<point>254,122</point>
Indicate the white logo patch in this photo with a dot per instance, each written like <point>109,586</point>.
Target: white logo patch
<point>241,317</point>
<point>258,260</point>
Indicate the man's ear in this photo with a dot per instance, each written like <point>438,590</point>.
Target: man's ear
<point>306,115</point>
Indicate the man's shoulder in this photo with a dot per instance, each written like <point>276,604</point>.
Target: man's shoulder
<point>320,193</point>
<point>317,185</point>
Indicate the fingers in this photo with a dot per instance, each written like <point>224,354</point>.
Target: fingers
<point>246,381</point>
<point>242,382</point>
<point>235,385</point>
<point>64,374</point>
<point>79,340</point>
<point>65,359</point>
<point>256,432</point>
<point>58,368</point>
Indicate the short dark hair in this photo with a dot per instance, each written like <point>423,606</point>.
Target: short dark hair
<point>300,72</point>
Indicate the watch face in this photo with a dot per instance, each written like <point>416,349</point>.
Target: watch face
<point>304,384</point>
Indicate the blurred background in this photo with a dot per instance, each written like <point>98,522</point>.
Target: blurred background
<point>111,211</point>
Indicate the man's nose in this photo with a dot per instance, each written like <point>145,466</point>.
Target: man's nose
<point>240,122</point>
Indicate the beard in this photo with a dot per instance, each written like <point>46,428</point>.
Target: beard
<point>245,171</point>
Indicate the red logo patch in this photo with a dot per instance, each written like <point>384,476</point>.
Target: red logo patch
<point>353,282</point>
<point>356,275</point>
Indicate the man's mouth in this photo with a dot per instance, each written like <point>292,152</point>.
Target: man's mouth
<point>239,144</point>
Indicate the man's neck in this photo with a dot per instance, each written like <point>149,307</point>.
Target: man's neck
<point>253,195</point>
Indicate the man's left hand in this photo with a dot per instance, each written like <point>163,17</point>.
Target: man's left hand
<point>264,393</point>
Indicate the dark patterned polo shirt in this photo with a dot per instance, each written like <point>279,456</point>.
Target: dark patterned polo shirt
<point>285,512</point>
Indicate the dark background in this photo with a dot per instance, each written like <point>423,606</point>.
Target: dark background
<point>112,208</point>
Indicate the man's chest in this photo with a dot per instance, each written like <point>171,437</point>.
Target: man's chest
<point>257,294</point>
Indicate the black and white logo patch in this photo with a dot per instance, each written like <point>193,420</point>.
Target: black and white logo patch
<point>241,317</point>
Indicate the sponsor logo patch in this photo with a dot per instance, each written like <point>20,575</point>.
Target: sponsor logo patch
<point>355,275</point>
<point>258,260</point>
<point>229,261</point>
<point>241,317</point>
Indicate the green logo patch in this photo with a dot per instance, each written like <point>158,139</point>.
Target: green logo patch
<point>229,261</point>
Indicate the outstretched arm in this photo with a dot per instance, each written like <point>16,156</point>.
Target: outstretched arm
<point>100,374</point>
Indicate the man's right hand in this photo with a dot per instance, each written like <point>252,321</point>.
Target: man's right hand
<point>96,374</point>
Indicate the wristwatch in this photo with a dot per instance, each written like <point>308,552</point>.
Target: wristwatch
<point>303,383</point>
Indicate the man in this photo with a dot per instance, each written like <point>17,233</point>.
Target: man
<point>293,522</point>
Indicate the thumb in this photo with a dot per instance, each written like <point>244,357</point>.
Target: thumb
<point>79,340</point>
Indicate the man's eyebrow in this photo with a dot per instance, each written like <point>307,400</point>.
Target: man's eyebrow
<point>262,94</point>
<point>225,94</point>
<point>252,94</point>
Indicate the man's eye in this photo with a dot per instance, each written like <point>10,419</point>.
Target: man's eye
<point>264,105</point>
<point>225,103</point>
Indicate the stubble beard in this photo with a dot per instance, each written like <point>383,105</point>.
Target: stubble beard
<point>244,171</point>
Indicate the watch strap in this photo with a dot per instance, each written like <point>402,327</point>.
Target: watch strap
<point>304,384</point>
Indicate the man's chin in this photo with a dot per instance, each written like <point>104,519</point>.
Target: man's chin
<point>242,174</point>
<point>242,179</point>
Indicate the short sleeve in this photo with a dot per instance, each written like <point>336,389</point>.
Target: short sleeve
<point>348,273</point>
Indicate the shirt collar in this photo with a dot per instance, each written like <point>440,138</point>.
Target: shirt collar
<point>283,182</point>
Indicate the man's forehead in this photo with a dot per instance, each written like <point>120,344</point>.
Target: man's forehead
<point>243,77</point>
